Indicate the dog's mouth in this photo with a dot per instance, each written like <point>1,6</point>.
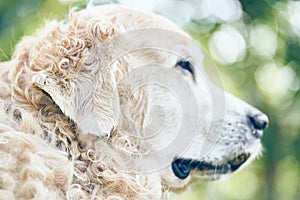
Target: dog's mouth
<point>182,167</point>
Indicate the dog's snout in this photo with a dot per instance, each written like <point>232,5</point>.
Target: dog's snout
<point>258,122</point>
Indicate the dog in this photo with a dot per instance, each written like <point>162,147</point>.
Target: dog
<point>114,104</point>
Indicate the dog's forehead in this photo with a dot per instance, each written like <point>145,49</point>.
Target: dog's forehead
<point>132,19</point>
<point>137,29</point>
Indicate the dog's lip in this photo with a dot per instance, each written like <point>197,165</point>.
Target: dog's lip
<point>182,167</point>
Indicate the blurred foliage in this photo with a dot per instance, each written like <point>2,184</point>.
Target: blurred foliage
<point>270,82</point>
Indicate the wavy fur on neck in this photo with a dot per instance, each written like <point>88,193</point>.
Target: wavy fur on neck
<point>43,153</point>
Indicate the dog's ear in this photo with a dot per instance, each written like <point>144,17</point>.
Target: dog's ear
<point>73,97</point>
<point>66,64</point>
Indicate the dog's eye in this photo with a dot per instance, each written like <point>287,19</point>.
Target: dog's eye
<point>186,65</point>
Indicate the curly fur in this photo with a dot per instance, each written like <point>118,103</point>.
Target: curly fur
<point>35,168</point>
<point>57,131</point>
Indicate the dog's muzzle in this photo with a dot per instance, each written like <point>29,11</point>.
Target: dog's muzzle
<point>182,167</point>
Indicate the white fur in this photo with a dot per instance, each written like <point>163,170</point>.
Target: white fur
<point>111,70</point>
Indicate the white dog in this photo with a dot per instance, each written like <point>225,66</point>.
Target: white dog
<point>114,104</point>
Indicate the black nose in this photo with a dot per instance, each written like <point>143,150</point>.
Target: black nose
<point>258,122</point>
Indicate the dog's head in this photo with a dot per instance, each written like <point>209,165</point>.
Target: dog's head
<point>116,70</point>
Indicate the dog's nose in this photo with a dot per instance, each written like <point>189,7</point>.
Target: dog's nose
<point>259,123</point>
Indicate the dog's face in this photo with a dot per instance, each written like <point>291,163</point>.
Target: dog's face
<point>114,69</point>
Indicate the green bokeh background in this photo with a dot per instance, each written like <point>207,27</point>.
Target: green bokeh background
<point>276,174</point>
